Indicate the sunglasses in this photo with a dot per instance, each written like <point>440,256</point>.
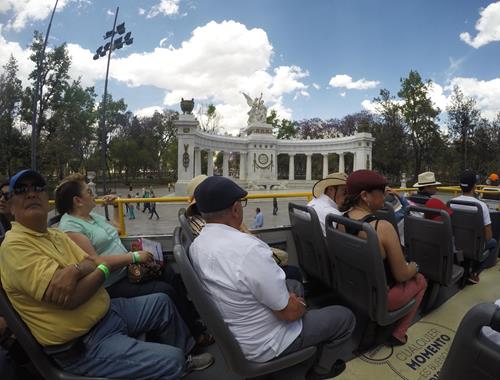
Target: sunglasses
<point>4,195</point>
<point>23,189</point>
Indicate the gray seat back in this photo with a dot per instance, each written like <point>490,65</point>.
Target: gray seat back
<point>40,360</point>
<point>187,235</point>
<point>468,229</point>
<point>472,355</point>
<point>430,244</point>
<point>359,270</point>
<point>310,244</point>
<point>233,355</point>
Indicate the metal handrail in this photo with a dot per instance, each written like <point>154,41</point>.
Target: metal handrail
<point>304,194</point>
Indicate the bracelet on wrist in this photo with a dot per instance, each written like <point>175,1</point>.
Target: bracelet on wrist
<point>104,269</point>
<point>136,257</point>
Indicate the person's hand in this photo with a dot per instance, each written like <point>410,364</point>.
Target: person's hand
<point>388,190</point>
<point>145,256</point>
<point>299,300</point>
<point>62,285</point>
<point>109,199</point>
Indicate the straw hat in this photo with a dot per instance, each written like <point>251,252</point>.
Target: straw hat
<point>191,187</point>
<point>426,179</point>
<point>332,179</point>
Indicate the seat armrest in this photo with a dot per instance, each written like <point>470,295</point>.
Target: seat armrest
<point>459,254</point>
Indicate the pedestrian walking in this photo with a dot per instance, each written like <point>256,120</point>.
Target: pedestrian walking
<point>130,209</point>
<point>153,208</point>
<point>275,206</point>
<point>259,218</point>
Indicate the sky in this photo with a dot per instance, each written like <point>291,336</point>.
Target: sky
<point>316,58</point>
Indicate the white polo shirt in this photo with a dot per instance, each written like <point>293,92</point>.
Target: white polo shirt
<point>467,198</point>
<point>324,205</point>
<point>239,273</point>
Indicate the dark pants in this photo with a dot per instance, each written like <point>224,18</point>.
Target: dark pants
<point>153,212</point>
<point>330,329</point>
<point>170,284</point>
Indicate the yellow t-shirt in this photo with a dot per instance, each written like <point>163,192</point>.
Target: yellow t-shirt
<point>28,260</point>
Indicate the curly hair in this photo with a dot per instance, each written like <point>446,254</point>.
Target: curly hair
<point>70,187</point>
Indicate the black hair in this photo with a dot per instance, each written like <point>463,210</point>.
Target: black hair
<point>70,187</point>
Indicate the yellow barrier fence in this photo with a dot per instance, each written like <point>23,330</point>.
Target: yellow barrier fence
<point>305,194</point>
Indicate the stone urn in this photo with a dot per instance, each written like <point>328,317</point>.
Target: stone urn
<point>187,106</point>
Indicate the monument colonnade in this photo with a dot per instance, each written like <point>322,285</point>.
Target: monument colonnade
<point>259,151</point>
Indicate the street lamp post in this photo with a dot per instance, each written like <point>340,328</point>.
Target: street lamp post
<point>37,93</point>
<point>101,51</point>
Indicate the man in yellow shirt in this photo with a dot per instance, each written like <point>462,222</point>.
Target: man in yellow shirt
<point>57,289</point>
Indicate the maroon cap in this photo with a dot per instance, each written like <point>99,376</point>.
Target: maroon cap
<point>367,180</point>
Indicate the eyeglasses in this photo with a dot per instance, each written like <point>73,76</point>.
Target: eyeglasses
<point>243,202</point>
<point>23,189</point>
<point>4,195</point>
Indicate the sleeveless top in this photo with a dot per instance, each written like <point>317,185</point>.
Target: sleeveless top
<point>353,231</point>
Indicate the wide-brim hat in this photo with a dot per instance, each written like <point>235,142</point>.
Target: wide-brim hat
<point>426,179</point>
<point>332,179</point>
<point>191,187</point>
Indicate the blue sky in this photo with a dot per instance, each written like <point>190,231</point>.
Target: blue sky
<point>322,58</point>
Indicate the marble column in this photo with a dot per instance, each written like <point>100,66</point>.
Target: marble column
<point>225,164</point>
<point>325,165</point>
<point>341,162</point>
<point>210,162</point>
<point>291,167</point>
<point>308,166</point>
<point>243,167</point>
<point>197,162</point>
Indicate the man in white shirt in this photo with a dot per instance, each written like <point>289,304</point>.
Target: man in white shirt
<point>329,194</point>
<point>468,185</point>
<point>249,288</point>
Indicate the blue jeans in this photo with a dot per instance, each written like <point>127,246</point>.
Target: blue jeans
<point>111,350</point>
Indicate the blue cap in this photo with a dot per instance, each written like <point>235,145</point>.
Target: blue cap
<point>217,193</point>
<point>23,174</point>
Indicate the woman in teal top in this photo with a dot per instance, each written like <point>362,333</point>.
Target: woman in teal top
<point>91,231</point>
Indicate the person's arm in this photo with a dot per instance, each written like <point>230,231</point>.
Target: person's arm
<point>488,233</point>
<point>110,200</point>
<point>67,290</point>
<point>113,262</point>
<point>294,310</point>
<point>401,270</point>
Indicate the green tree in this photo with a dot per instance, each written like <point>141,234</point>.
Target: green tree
<point>420,118</point>
<point>463,118</point>
<point>10,98</point>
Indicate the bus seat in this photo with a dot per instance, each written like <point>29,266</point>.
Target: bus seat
<point>54,220</point>
<point>229,346</point>
<point>187,236</point>
<point>468,230</point>
<point>430,244</point>
<point>473,355</point>
<point>33,349</point>
<point>310,244</point>
<point>359,270</point>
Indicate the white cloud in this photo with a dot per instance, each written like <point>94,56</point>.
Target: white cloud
<point>214,65</point>
<point>109,12</point>
<point>164,7</point>
<point>488,27</point>
<point>345,81</point>
<point>148,111</point>
<point>141,11</point>
<point>7,49</point>
<point>343,94</point>
<point>316,86</point>
<point>162,42</point>
<point>486,93</point>
<point>438,98</point>
<point>22,12</point>
<point>369,106</point>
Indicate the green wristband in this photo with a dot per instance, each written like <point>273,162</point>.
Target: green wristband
<point>136,257</point>
<point>104,270</point>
